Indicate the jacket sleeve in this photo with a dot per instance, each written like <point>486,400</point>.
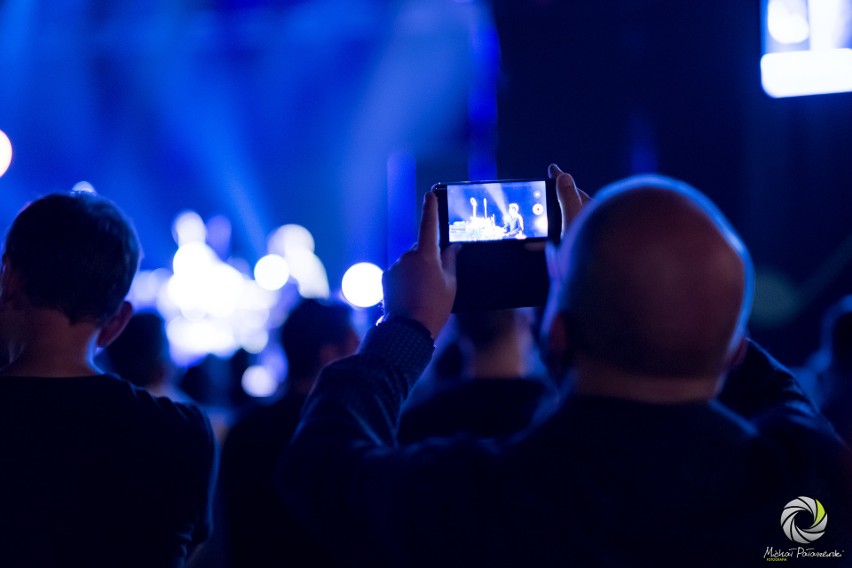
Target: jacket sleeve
<point>331,473</point>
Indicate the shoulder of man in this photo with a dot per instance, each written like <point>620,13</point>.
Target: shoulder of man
<point>177,423</point>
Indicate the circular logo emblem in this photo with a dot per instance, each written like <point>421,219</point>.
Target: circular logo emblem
<point>813,511</point>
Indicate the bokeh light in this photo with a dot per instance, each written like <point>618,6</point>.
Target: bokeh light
<point>787,21</point>
<point>84,186</point>
<point>5,152</point>
<point>189,228</point>
<point>362,285</point>
<point>272,272</point>
<point>259,382</point>
<point>289,238</point>
<point>309,273</point>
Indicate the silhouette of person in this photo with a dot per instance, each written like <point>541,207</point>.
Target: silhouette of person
<point>93,470</point>
<point>493,395</point>
<point>513,223</point>
<point>261,531</point>
<point>650,293</point>
<point>832,368</point>
<point>141,355</point>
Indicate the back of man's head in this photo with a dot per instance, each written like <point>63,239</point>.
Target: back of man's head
<point>141,353</point>
<point>485,329</point>
<point>656,283</point>
<point>313,328</point>
<point>76,253</point>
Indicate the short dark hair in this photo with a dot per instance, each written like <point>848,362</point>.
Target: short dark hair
<point>75,252</point>
<point>311,325</point>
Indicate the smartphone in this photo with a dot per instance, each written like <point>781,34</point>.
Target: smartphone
<point>503,226</point>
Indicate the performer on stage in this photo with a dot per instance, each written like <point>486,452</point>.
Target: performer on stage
<point>513,223</point>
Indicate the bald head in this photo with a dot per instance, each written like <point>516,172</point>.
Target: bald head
<point>655,281</point>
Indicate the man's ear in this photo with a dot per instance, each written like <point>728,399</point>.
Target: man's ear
<point>115,325</point>
<point>558,345</point>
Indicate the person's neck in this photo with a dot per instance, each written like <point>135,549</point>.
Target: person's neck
<point>505,359</point>
<point>597,378</point>
<point>48,345</point>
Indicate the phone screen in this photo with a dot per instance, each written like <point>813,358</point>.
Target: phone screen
<point>497,211</point>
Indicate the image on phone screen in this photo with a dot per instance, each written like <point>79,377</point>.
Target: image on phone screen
<point>497,211</point>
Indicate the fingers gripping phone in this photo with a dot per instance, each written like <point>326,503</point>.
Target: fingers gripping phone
<point>503,226</point>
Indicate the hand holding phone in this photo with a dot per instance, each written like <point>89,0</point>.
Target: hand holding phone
<point>503,225</point>
<point>421,285</point>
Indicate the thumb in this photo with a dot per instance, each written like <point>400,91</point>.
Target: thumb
<point>553,171</point>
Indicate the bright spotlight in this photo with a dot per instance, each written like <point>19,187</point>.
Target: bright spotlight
<point>362,285</point>
<point>258,381</point>
<point>5,152</point>
<point>271,272</point>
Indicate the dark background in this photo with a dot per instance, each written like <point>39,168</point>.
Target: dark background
<point>335,114</point>
<point>612,88</point>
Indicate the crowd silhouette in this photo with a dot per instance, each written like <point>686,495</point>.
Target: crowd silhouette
<point>630,422</point>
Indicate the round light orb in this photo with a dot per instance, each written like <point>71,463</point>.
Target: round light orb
<point>271,272</point>
<point>258,381</point>
<point>362,285</point>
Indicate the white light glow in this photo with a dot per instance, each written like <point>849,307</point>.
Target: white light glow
<point>193,258</point>
<point>84,186</point>
<point>289,238</point>
<point>309,273</point>
<point>258,381</point>
<point>829,21</point>
<point>787,21</point>
<point>5,152</point>
<point>272,272</point>
<point>797,73</point>
<point>540,223</point>
<point>146,287</point>
<point>189,228</point>
<point>216,307</point>
<point>362,285</point>
<point>223,290</point>
<point>219,234</point>
<point>255,340</point>
<point>198,338</point>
